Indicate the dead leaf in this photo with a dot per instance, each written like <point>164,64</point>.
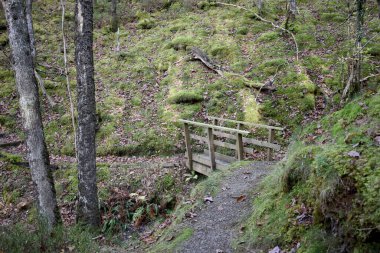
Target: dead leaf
<point>170,238</point>
<point>241,198</point>
<point>149,239</point>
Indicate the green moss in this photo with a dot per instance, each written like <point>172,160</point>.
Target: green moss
<point>181,42</point>
<point>146,23</point>
<point>178,239</point>
<point>322,177</point>
<point>185,97</point>
<point>332,16</point>
<point>268,36</point>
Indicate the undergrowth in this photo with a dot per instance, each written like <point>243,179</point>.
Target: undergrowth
<point>324,195</point>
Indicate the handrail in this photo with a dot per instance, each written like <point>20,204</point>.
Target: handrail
<point>226,129</point>
<point>247,123</point>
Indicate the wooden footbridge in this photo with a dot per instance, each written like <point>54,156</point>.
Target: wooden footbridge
<point>228,140</point>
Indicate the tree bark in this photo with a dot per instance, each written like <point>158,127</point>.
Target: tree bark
<point>115,20</point>
<point>38,156</point>
<point>29,20</point>
<point>292,8</point>
<point>260,5</point>
<point>378,7</point>
<point>358,54</point>
<point>87,210</point>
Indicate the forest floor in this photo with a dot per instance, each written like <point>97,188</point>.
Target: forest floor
<point>218,224</point>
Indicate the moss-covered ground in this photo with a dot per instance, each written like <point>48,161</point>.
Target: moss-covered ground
<point>323,196</point>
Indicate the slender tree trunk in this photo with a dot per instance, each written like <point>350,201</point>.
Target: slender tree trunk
<point>260,5</point>
<point>115,20</point>
<point>29,20</point>
<point>378,7</point>
<point>358,54</point>
<point>292,8</point>
<point>30,109</point>
<point>88,210</point>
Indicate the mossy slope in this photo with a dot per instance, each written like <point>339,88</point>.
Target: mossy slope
<point>325,194</point>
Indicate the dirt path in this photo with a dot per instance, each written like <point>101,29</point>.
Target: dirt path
<point>217,224</point>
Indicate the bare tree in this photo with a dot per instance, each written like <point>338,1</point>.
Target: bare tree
<point>354,82</point>
<point>30,110</point>
<point>88,210</point>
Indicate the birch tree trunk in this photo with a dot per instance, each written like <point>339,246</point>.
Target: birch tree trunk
<point>87,210</point>
<point>358,58</point>
<point>292,9</point>
<point>38,156</point>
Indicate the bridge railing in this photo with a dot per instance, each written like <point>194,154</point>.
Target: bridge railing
<point>214,131</point>
<point>271,133</point>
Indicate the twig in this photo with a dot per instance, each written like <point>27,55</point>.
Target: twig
<point>368,77</point>
<point>266,21</point>
<point>42,86</point>
<point>63,3</point>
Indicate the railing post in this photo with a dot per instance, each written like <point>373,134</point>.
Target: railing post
<point>188,145</point>
<point>211,147</point>
<point>270,140</point>
<point>215,122</point>
<point>239,147</point>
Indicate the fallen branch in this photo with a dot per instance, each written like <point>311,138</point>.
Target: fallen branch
<point>266,21</point>
<point>198,54</point>
<point>42,86</point>
<point>368,77</point>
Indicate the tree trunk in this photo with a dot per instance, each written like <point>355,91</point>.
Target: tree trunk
<point>260,5</point>
<point>292,9</point>
<point>30,110</point>
<point>29,20</point>
<point>358,54</point>
<point>378,7</point>
<point>88,210</point>
<point>115,20</point>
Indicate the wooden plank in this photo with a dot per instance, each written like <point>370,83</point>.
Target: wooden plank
<point>221,157</point>
<point>270,140</point>
<point>239,147</point>
<point>200,168</point>
<point>225,135</point>
<point>225,145</point>
<point>247,123</point>
<point>262,143</point>
<point>226,129</point>
<point>204,160</point>
<point>211,147</point>
<point>248,150</point>
<point>188,146</point>
<point>199,138</point>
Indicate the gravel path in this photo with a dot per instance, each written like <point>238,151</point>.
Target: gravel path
<point>217,224</point>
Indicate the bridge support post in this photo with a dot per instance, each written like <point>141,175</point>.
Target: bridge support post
<point>188,146</point>
<point>211,147</point>
<point>239,147</point>
<point>270,140</point>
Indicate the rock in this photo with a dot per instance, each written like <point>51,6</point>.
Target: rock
<point>353,153</point>
<point>275,250</point>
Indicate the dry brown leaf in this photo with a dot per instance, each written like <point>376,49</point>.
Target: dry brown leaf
<point>241,198</point>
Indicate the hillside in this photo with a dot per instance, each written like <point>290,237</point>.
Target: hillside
<point>146,79</point>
